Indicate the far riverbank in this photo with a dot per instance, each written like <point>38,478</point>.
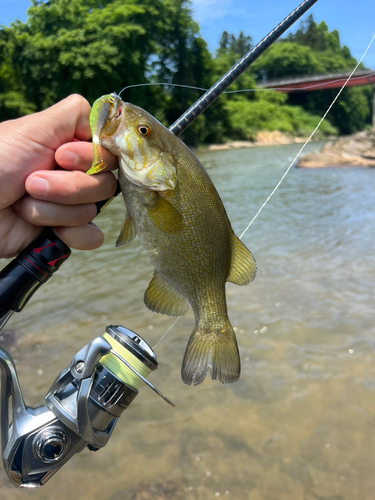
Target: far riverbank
<point>264,138</point>
<point>354,150</point>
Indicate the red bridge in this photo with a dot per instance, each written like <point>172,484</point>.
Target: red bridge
<point>322,82</point>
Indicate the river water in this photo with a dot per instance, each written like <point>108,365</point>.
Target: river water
<point>299,424</point>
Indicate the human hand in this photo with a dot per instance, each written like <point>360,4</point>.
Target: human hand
<point>33,194</point>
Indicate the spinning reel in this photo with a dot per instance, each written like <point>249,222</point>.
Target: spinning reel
<point>87,398</point>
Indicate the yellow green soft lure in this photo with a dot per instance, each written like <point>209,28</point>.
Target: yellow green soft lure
<point>103,110</point>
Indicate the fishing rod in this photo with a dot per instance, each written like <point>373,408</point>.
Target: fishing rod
<point>87,398</point>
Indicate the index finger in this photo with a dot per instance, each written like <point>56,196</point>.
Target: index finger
<point>29,143</point>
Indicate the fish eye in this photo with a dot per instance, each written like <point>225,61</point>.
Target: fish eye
<point>144,130</point>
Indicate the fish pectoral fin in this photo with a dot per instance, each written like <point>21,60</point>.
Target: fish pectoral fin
<point>243,266</point>
<point>161,297</point>
<point>165,216</point>
<point>127,233</point>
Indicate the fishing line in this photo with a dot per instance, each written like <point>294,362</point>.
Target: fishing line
<point>307,141</point>
<point>293,161</point>
<point>169,329</point>
<point>259,89</point>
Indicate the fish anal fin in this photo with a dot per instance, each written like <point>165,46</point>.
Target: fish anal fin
<point>161,297</point>
<point>127,233</point>
<point>165,216</point>
<point>243,266</point>
<point>215,351</point>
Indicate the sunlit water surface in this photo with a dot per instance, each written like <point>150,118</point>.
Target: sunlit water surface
<point>300,423</point>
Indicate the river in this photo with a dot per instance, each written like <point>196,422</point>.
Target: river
<point>299,424</point>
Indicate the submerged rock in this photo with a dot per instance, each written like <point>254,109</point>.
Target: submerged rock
<point>354,150</point>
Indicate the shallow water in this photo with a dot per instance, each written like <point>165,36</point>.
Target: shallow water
<point>299,424</point>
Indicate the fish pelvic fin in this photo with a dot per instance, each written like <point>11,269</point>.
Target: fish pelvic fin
<point>161,297</point>
<point>127,233</point>
<point>214,350</point>
<point>243,266</point>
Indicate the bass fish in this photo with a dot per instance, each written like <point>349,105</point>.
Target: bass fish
<point>174,208</point>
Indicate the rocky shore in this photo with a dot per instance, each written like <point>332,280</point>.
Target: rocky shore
<point>354,150</point>
<point>264,138</point>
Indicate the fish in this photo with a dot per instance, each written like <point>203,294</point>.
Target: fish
<point>179,217</point>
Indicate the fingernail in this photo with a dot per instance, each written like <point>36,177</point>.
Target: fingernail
<point>67,158</point>
<point>38,187</point>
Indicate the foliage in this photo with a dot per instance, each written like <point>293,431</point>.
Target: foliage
<point>83,46</point>
<point>184,59</point>
<point>229,43</point>
<point>269,112</point>
<point>351,111</point>
<point>230,50</point>
<point>285,60</point>
<point>13,101</point>
<point>313,50</point>
<point>93,47</point>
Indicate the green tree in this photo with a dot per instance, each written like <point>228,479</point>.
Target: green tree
<point>184,59</point>
<point>313,49</point>
<point>85,46</point>
<point>317,37</point>
<point>269,111</point>
<point>93,47</point>
<point>230,50</point>
<point>13,101</point>
<point>285,59</point>
<point>250,112</point>
<point>239,46</point>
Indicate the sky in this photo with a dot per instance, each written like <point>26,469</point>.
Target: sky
<point>355,20</point>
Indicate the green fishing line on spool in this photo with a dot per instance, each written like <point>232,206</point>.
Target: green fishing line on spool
<point>119,369</point>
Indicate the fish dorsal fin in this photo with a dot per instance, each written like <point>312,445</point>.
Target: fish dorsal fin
<point>243,266</point>
<point>165,216</point>
<point>128,232</point>
<point>161,297</point>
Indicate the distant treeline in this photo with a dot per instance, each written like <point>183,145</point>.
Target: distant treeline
<point>94,47</point>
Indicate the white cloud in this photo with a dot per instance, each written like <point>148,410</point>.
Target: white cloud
<point>205,11</point>
<point>211,9</point>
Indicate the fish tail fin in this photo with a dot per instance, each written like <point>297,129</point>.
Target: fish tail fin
<point>214,350</point>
